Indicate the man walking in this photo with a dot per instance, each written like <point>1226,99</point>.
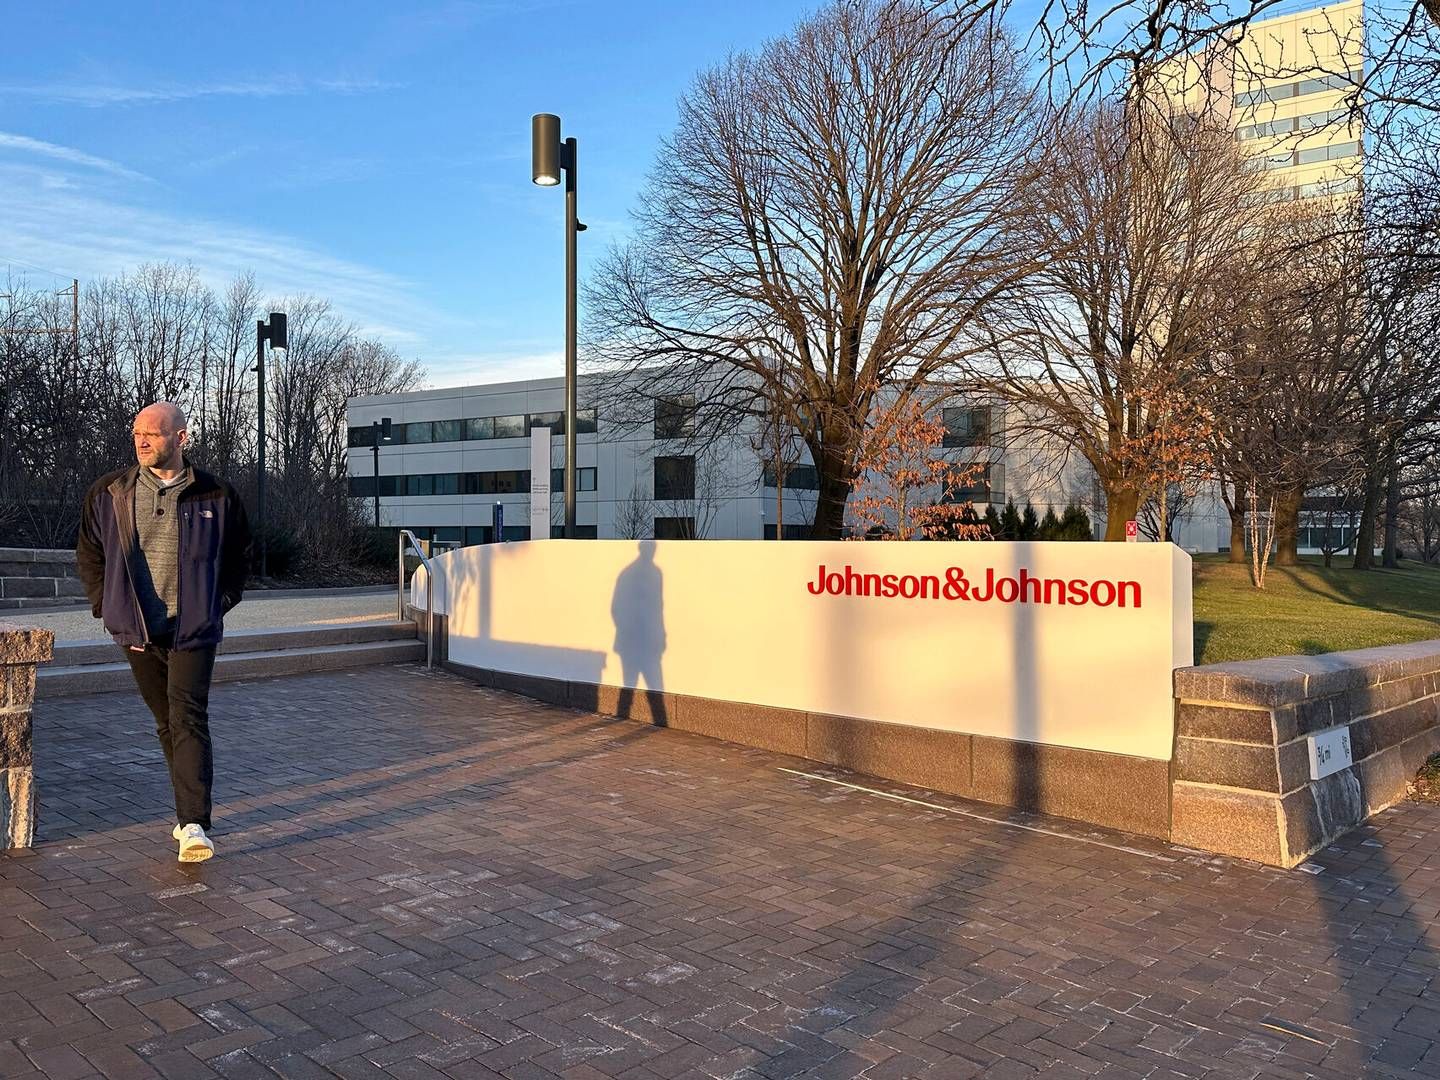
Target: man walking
<point>163,552</point>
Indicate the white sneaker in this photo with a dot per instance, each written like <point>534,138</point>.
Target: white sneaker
<point>195,846</point>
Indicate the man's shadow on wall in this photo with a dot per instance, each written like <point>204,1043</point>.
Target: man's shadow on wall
<point>638,611</point>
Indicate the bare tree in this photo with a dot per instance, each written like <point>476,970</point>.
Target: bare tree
<point>832,207</point>
<point>362,368</point>
<point>164,312</point>
<point>229,431</point>
<point>1143,219</point>
<point>634,514</point>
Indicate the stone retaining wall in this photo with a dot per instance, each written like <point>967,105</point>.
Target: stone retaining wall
<point>1242,771</point>
<point>22,647</point>
<point>38,577</point>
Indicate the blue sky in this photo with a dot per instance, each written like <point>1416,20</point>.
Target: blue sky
<point>373,153</point>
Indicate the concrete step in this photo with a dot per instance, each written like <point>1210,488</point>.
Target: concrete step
<point>266,653</point>
<point>30,603</point>
<point>104,651</point>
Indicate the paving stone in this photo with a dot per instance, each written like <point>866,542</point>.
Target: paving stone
<point>421,877</point>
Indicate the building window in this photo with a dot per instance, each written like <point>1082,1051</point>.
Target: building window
<point>420,484</point>
<point>675,477</point>
<point>480,427</point>
<point>512,481</point>
<point>797,477</point>
<point>446,483</point>
<point>1325,82</point>
<point>967,426</point>
<point>675,416</point>
<point>1286,91</point>
<point>985,485</point>
<point>365,436</point>
<point>510,427</point>
<point>587,422</point>
<point>418,433</point>
<point>1329,187</point>
<point>555,421</point>
<point>674,528</point>
<point>585,479</point>
<point>792,532</point>
<point>445,431</point>
<point>1322,120</point>
<point>585,532</point>
<point>364,486</point>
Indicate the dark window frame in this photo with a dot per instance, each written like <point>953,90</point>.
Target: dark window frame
<point>668,486</point>
<point>674,528</point>
<point>675,416</point>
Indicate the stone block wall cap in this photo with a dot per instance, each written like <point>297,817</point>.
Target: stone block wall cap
<point>25,643</point>
<point>1281,680</point>
<point>37,555</point>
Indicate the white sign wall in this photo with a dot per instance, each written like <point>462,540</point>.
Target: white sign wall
<point>1071,644</point>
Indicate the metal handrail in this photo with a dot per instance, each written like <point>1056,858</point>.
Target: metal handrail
<point>406,534</point>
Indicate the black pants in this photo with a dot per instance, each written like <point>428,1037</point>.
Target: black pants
<point>175,683</point>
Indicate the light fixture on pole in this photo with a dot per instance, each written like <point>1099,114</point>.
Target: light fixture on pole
<point>275,333</point>
<point>549,158</point>
<point>379,429</point>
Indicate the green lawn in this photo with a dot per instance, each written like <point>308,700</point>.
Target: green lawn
<point>1308,609</point>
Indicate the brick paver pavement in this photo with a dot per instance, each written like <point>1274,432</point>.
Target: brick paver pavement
<point>420,878</point>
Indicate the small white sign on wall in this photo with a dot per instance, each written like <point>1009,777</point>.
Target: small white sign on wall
<point>1330,752</point>
<point>540,483</point>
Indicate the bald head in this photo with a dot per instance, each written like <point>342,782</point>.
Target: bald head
<point>165,413</point>
<point>160,436</point>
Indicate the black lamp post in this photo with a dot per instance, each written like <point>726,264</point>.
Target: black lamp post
<point>379,429</point>
<point>550,157</point>
<point>275,333</point>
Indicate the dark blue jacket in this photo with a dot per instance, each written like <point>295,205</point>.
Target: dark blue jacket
<point>214,557</point>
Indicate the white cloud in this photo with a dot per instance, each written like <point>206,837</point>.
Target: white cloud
<point>101,95</point>
<point>470,369</point>
<point>70,156</point>
<point>57,224</point>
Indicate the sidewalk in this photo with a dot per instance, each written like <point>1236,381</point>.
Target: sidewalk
<point>422,878</point>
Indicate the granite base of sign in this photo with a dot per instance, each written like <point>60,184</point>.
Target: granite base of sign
<point>22,647</point>
<point>1114,790</point>
<point>1276,758</point>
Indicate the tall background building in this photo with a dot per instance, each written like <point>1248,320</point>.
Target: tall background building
<point>1283,88</point>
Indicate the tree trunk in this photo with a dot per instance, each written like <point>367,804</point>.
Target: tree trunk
<point>1287,526</point>
<point>1391,555</point>
<point>834,489</point>
<point>1369,510</point>
<point>1237,534</point>
<point>779,501</point>
<point>1121,505</point>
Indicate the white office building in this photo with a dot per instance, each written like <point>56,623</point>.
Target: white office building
<point>455,453</point>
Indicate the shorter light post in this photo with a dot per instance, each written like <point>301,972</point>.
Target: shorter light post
<point>275,333</point>
<point>379,429</point>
